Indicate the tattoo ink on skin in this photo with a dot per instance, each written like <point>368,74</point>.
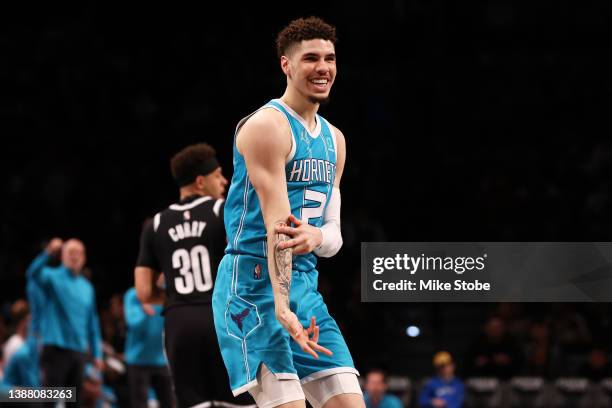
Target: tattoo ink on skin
<point>283,265</point>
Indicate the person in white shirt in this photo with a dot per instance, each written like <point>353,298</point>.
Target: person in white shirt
<point>20,315</point>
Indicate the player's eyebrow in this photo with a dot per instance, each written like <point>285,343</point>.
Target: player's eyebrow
<point>314,54</point>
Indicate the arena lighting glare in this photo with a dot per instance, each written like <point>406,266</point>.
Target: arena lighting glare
<point>413,331</point>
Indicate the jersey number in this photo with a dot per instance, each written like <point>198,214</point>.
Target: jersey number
<point>194,267</point>
<point>313,212</point>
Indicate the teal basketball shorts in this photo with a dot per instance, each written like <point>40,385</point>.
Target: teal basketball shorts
<point>249,334</point>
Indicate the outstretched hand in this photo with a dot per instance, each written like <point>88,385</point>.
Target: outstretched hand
<point>307,339</point>
<point>54,246</point>
<point>304,237</point>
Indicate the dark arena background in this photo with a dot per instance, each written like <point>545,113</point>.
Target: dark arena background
<point>473,121</point>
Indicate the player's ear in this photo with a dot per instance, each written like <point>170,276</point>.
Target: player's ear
<point>200,181</point>
<point>284,63</point>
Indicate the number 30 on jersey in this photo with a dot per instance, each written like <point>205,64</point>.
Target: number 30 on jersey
<point>194,267</point>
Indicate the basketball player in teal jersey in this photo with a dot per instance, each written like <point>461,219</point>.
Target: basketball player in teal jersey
<point>282,211</point>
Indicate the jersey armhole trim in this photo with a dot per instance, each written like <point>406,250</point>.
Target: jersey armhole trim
<point>269,106</point>
<point>293,140</point>
<point>217,206</point>
<point>334,136</point>
<point>156,221</point>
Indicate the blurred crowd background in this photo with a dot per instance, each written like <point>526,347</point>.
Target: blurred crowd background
<point>482,121</point>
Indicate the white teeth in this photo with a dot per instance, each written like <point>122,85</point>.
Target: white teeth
<point>319,81</point>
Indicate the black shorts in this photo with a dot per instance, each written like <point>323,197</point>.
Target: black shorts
<point>198,372</point>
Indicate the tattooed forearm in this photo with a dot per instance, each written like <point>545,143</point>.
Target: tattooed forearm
<point>282,259</point>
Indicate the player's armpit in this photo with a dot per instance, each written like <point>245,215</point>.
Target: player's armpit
<point>146,285</point>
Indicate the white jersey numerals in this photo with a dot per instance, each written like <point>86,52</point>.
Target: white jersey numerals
<point>194,267</point>
<point>313,212</point>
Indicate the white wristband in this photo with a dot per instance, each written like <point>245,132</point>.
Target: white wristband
<point>332,236</point>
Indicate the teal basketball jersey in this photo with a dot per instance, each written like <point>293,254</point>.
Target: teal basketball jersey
<point>310,171</point>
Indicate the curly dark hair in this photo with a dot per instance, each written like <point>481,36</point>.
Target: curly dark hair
<point>187,164</point>
<point>304,29</point>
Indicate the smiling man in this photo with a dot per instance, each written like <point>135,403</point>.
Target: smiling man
<point>282,211</point>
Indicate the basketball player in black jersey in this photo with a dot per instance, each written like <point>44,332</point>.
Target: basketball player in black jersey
<point>186,241</point>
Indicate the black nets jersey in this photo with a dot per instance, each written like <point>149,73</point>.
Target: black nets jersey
<point>186,242</point>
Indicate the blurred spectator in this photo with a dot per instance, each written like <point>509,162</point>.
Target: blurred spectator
<point>114,375</point>
<point>91,395</point>
<point>20,318</point>
<point>537,348</point>
<point>514,318</point>
<point>23,367</point>
<point>144,352</point>
<point>597,366</point>
<point>113,326</point>
<point>599,320</point>
<point>70,327</point>
<point>375,395</point>
<point>495,353</point>
<point>444,390</point>
<point>571,339</point>
<point>570,331</point>
<point>113,323</point>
